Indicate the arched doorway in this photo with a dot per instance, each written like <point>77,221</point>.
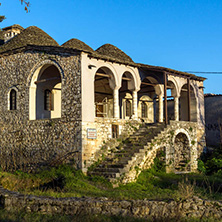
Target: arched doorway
<point>125,96</point>
<point>145,109</point>
<point>172,101</point>
<point>184,104</point>
<point>45,93</point>
<point>150,99</point>
<point>103,82</point>
<point>182,155</point>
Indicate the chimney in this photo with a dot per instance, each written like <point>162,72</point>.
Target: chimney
<point>11,31</point>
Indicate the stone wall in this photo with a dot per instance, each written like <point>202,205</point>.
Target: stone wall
<point>193,207</point>
<point>213,117</point>
<point>26,143</point>
<point>93,149</point>
<point>164,140</point>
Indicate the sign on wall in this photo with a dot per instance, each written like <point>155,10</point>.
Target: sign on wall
<point>91,133</point>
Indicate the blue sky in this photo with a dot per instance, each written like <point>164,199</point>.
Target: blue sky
<point>181,34</point>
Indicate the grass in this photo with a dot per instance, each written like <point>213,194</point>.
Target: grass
<point>65,181</point>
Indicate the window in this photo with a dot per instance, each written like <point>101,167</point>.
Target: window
<point>12,100</point>
<point>48,101</point>
<point>128,108</point>
<point>144,109</point>
<point>115,131</point>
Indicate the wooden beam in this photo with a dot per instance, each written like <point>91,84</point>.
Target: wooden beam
<point>103,93</point>
<point>108,76</point>
<point>165,97</point>
<point>146,92</point>
<point>148,84</point>
<point>127,79</point>
<point>45,80</point>
<point>104,75</point>
<point>188,99</point>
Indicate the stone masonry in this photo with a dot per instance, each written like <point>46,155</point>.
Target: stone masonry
<point>25,143</point>
<point>192,207</point>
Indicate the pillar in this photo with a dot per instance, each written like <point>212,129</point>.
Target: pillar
<point>188,99</point>
<point>176,108</point>
<point>135,104</point>
<point>160,108</point>
<point>116,103</point>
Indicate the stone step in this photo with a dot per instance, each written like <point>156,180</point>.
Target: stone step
<point>107,169</point>
<point>120,166</point>
<point>105,174</point>
<point>118,161</point>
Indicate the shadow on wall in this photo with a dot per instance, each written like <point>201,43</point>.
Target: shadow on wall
<point>213,119</point>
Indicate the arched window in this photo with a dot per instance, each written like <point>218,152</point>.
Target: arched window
<point>128,108</point>
<point>144,109</point>
<point>48,100</point>
<point>12,100</point>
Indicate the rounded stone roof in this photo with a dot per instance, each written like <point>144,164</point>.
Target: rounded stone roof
<point>29,36</point>
<point>13,26</point>
<point>77,44</point>
<point>113,52</point>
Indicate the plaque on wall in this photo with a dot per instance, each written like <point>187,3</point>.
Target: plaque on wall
<point>91,134</point>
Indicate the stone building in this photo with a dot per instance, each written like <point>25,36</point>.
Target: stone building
<point>213,113</point>
<point>72,103</point>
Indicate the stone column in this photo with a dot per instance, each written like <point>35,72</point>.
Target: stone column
<point>116,103</point>
<point>176,108</point>
<point>135,104</point>
<point>160,108</point>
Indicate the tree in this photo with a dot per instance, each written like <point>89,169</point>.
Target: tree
<point>26,3</point>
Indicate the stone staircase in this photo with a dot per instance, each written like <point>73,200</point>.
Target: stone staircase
<point>117,162</point>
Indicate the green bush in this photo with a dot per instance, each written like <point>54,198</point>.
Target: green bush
<point>211,162</point>
<point>201,166</point>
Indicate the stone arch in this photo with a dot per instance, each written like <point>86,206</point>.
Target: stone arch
<point>134,84</point>
<point>128,87</point>
<point>109,70</point>
<point>183,103</point>
<point>172,99</point>
<point>131,84</point>
<point>181,154</point>
<point>46,75</point>
<point>104,84</point>
<point>151,86</point>
<point>32,77</point>
<point>176,91</point>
